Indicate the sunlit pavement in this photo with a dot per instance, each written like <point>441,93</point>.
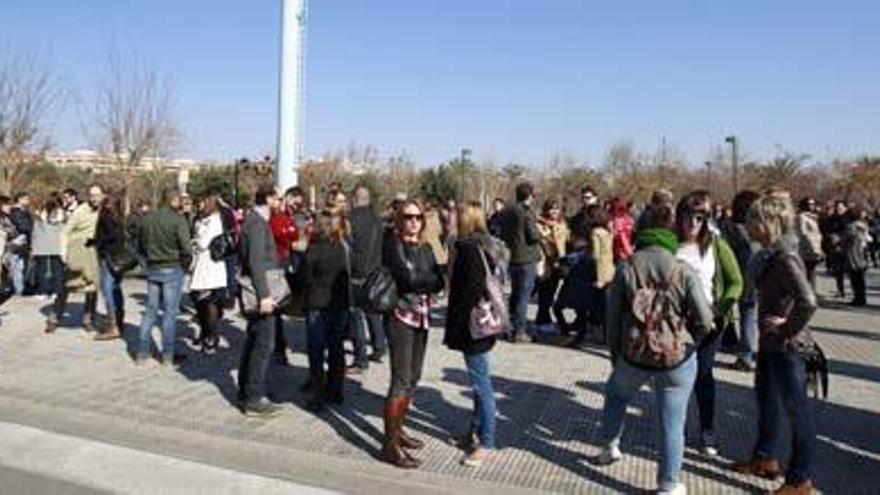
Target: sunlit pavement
<point>549,401</point>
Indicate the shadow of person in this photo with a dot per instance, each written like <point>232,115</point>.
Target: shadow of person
<point>537,418</point>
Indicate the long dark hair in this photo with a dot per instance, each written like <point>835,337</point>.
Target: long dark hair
<point>111,209</point>
<point>686,209</point>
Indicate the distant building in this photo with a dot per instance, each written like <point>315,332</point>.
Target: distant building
<point>106,162</point>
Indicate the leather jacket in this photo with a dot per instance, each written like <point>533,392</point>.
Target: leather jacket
<point>783,291</point>
<point>417,275</point>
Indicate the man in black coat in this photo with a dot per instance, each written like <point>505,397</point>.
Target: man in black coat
<point>366,256</point>
<point>21,246</point>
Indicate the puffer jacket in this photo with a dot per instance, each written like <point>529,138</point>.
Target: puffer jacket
<point>783,291</point>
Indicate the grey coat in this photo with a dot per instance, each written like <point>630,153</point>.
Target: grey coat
<point>656,264</point>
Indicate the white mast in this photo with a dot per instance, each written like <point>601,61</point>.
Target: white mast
<point>293,31</point>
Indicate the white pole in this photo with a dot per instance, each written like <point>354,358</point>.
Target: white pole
<point>293,28</point>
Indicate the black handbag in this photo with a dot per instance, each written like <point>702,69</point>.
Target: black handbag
<point>122,260</point>
<point>378,293</point>
<point>221,246</point>
<point>816,365</point>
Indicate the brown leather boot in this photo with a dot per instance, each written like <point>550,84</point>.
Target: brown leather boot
<point>763,468</point>
<point>110,332</point>
<point>391,451</point>
<point>804,488</point>
<point>407,441</point>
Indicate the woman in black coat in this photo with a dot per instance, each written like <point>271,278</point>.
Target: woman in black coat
<point>475,257</point>
<point>418,277</point>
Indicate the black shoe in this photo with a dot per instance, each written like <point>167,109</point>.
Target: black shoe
<point>745,366</point>
<point>316,405</point>
<point>176,360</point>
<point>858,303</point>
<point>376,358</point>
<point>262,408</point>
<point>308,386</point>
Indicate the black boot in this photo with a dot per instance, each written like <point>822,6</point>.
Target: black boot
<point>89,317</point>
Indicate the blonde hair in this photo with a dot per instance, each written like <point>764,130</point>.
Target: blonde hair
<point>331,226</point>
<point>773,215</point>
<point>471,219</point>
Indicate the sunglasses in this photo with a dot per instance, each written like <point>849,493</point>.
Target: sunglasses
<point>698,217</point>
<point>413,216</point>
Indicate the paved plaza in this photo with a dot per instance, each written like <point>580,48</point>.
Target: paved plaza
<point>549,401</point>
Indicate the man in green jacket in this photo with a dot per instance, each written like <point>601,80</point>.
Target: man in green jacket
<point>165,245</point>
<point>520,233</point>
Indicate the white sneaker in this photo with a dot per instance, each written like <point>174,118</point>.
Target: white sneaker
<point>609,455</point>
<point>679,489</point>
<point>709,451</point>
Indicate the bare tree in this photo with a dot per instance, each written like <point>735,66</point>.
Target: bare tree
<point>28,94</point>
<point>133,119</point>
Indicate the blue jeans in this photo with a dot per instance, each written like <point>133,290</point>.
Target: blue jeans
<point>326,330</point>
<point>16,273</point>
<point>672,389</point>
<point>363,322</point>
<point>483,420</point>
<point>168,281</point>
<point>781,388</point>
<point>748,331</point>
<point>111,288</point>
<point>522,281</point>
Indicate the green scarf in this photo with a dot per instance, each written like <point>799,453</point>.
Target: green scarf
<point>661,237</point>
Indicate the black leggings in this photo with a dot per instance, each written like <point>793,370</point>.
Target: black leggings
<point>209,312</point>
<point>408,346</point>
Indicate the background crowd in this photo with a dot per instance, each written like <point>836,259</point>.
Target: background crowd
<point>664,285</point>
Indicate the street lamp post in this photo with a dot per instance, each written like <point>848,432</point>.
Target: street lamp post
<point>733,144</point>
<point>709,178</point>
<point>465,154</point>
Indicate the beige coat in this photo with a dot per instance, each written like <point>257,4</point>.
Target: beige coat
<point>554,239</point>
<point>603,252</point>
<point>82,261</point>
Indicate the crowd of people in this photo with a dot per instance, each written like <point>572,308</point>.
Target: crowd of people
<point>664,286</point>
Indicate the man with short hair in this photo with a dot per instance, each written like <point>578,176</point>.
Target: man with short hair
<point>520,233</point>
<point>166,245</point>
<point>80,261</point>
<point>580,222</point>
<point>366,256</point>
<point>69,201</point>
<point>20,246</point>
<point>258,256</point>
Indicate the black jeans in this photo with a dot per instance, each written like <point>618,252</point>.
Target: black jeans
<point>811,272</point>
<point>546,297</point>
<point>408,346</point>
<point>857,280</point>
<point>838,268</point>
<point>280,346</point>
<point>48,275</point>
<point>781,391</point>
<point>255,355</point>
<point>704,388</point>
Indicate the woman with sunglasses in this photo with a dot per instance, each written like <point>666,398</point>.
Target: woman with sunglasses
<point>705,250</point>
<point>417,275</point>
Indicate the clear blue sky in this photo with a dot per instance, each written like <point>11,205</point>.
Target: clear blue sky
<point>514,80</point>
